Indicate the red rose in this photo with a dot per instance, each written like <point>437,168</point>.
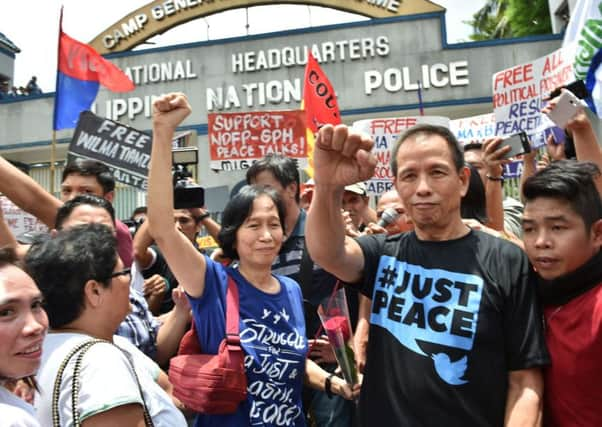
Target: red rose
<point>337,324</point>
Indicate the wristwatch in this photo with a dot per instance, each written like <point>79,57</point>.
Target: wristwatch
<point>328,386</point>
<point>495,178</point>
<point>203,216</point>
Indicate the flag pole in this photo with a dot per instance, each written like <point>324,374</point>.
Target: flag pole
<point>420,106</point>
<point>56,93</point>
<point>52,161</point>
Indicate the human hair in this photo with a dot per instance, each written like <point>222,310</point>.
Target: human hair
<point>62,265</point>
<point>571,181</point>
<point>139,210</point>
<point>473,146</point>
<point>8,256</point>
<point>283,168</point>
<point>86,167</point>
<point>238,210</point>
<point>474,205</point>
<point>427,130</point>
<point>569,146</point>
<point>69,206</point>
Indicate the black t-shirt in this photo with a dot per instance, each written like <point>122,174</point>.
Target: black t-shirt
<point>448,321</point>
<point>318,286</point>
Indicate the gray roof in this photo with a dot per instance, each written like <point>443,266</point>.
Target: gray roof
<point>7,44</point>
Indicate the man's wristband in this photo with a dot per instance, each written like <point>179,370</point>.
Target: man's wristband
<point>495,178</point>
<point>203,216</point>
<point>328,385</point>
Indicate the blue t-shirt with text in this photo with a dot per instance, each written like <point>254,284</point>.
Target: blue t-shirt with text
<point>272,332</point>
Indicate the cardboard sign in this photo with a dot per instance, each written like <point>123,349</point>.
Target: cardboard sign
<point>513,169</point>
<point>385,132</point>
<point>473,129</point>
<point>236,140</point>
<point>125,150</point>
<point>519,92</point>
<point>19,221</point>
<point>206,242</point>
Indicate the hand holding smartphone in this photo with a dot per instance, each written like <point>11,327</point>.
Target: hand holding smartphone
<point>518,143</point>
<point>567,107</point>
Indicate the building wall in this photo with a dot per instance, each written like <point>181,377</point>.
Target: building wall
<point>7,63</point>
<point>409,47</point>
<point>555,7</point>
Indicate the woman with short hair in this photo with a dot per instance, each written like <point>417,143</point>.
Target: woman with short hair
<point>86,289</point>
<point>272,324</point>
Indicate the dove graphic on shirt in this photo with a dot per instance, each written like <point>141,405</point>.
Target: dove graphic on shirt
<point>450,372</point>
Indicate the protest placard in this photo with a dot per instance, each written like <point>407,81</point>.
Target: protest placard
<point>19,222</point>
<point>519,93</point>
<point>125,150</point>
<point>385,132</point>
<point>513,169</point>
<point>473,129</point>
<point>236,140</point>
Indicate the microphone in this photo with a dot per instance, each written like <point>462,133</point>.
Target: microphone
<point>388,216</point>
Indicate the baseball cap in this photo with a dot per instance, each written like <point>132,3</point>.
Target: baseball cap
<point>357,188</point>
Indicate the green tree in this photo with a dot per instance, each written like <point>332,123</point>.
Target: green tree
<point>499,19</point>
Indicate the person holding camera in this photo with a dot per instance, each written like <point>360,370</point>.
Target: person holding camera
<point>272,325</point>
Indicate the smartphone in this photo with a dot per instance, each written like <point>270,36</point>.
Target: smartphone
<point>519,144</point>
<point>577,88</point>
<point>567,107</point>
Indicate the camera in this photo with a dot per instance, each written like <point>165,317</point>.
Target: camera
<point>186,194</point>
<point>133,225</point>
<point>519,144</point>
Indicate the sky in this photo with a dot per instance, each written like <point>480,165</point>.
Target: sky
<point>32,25</point>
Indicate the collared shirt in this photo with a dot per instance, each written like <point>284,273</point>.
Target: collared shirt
<point>140,327</point>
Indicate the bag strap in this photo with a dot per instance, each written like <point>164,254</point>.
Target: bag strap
<point>82,349</point>
<point>232,313</point>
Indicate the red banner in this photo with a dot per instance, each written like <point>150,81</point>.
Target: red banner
<point>237,139</point>
<point>319,99</point>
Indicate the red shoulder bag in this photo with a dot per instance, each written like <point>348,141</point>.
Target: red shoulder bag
<point>212,383</point>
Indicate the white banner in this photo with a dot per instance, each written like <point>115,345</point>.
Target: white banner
<point>519,93</point>
<point>385,132</point>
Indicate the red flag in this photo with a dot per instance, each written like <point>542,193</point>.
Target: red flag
<point>320,101</point>
<point>80,71</point>
<point>80,61</point>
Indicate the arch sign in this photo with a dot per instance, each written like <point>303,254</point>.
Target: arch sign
<point>159,16</point>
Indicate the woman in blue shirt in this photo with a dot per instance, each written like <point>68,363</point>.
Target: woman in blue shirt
<point>272,327</point>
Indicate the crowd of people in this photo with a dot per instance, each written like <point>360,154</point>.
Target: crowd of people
<point>469,308</point>
<point>10,92</point>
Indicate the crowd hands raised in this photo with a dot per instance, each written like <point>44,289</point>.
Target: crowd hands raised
<point>444,278</point>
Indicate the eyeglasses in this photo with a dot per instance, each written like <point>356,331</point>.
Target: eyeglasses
<point>124,272</point>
